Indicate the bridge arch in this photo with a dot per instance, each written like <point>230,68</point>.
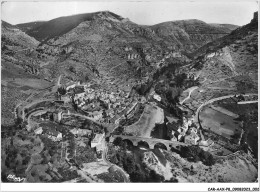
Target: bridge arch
<point>143,144</point>
<point>128,142</point>
<point>161,146</point>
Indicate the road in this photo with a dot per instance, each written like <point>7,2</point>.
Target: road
<point>116,66</point>
<point>216,99</point>
<point>30,124</point>
<point>35,102</point>
<point>29,97</point>
<point>246,102</point>
<point>191,89</point>
<point>19,104</point>
<point>86,117</point>
<point>119,169</point>
<point>18,50</point>
<point>223,79</point>
<point>58,83</point>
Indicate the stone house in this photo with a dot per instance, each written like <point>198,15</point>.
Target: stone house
<point>97,140</point>
<point>54,135</point>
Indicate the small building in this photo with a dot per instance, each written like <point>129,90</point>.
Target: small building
<point>97,115</point>
<point>177,135</point>
<point>57,116</point>
<point>97,140</point>
<point>174,138</point>
<point>71,87</point>
<point>192,139</point>
<point>193,129</point>
<point>172,119</point>
<point>99,148</point>
<point>65,98</point>
<point>54,135</point>
<point>38,131</point>
<point>79,89</point>
<point>157,97</point>
<point>111,139</point>
<point>81,132</point>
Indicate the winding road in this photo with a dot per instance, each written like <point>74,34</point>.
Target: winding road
<point>196,119</point>
<point>191,89</point>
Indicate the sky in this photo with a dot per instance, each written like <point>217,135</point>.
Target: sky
<point>144,12</point>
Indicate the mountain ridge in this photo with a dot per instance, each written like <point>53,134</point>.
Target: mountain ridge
<point>61,25</point>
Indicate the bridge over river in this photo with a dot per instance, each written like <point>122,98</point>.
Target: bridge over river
<point>151,142</point>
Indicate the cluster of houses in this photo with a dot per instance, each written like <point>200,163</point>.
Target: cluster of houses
<point>187,132</point>
<point>100,104</point>
<point>51,114</point>
<point>155,96</point>
<point>51,133</point>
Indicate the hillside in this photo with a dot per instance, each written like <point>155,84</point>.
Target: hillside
<point>75,100</point>
<point>56,27</point>
<point>105,43</point>
<point>227,27</point>
<point>185,35</point>
<point>12,36</point>
<point>189,35</point>
<point>30,26</point>
<point>115,52</point>
<point>107,48</point>
<point>225,66</point>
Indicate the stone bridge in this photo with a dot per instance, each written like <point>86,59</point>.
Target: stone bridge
<point>151,142</point>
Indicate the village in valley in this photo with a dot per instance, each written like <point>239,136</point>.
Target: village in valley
<point>83,120</point>
<point>116,102</point>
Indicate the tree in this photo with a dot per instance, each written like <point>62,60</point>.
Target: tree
<point>62,90</point>
<point>154,177</point>
<point>129,164</point>
<point>72,69</point>
<point>209,160</point>
<point>172,180</point>
<point>118,141</point>
<point>180,78</point>
<point>195,153</point>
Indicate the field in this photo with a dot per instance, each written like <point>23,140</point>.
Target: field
<point>147,121</point>
<point>15,76</point>
<point>9,70</point>
<point>252,109</point>
<point>24,83</point>
<point>218,122</point>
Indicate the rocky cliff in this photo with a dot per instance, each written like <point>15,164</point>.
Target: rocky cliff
<point>105,44</point>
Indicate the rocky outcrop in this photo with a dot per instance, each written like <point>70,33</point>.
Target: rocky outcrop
<point>255,18</point>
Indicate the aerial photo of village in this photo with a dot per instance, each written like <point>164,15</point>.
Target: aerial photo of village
<point>95,97</point>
